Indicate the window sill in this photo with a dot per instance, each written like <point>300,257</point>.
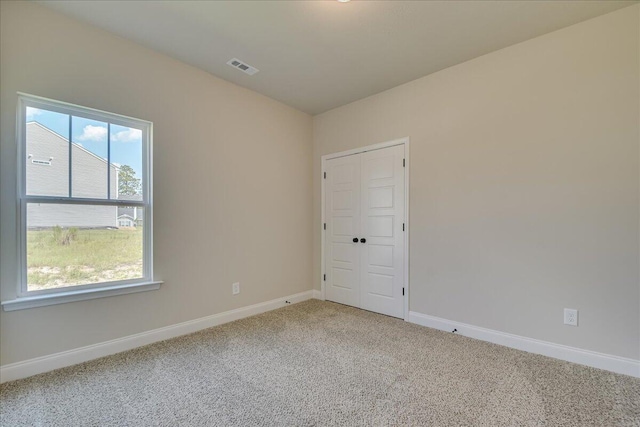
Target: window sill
<point>81,295</point>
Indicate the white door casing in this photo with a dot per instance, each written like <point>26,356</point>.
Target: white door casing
<point>365,198</point>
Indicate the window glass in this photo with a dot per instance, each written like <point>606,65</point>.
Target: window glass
<point>89,171</point>
<point>46,153</point>
<point>71,245</point>
<point>126,155</point>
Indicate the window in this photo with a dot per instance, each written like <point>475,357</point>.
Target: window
<point>84,199</point>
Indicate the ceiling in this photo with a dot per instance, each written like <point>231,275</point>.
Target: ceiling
<point>318,55</point>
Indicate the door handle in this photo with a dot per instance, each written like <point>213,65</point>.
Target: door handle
<point>363,240</point>
<point>355,240</point>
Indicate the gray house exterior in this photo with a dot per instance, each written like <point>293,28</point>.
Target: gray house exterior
<point>130,216</point>
<point>47,174</point>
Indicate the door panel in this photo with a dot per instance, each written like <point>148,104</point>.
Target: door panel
<point>342,215</point>
<point>381,197</point>
<point>382,260</point>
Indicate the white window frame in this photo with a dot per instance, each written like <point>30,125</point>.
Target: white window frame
<point>29,299</point>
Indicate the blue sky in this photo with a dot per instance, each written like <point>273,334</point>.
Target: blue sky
<point>126,143</point>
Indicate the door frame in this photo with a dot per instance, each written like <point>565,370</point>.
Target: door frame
<point>401,141</point>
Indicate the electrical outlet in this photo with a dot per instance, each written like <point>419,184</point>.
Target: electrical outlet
<point>235,288</point>
<point>570,317</point>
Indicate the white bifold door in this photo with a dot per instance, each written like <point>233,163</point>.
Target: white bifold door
<point>364,235</point>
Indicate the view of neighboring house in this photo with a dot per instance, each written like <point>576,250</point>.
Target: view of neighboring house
<point>47,173</point>
<point>129,216</point>
<point>126,221</point>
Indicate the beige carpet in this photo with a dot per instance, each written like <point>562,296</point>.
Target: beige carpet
<point>323,364</point>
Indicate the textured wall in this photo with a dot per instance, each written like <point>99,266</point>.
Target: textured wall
<point>232,181</point>
<point>524,184</point>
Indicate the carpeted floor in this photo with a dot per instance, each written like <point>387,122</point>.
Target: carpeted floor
<point>322,364</point>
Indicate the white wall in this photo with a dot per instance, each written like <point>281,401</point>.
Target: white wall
<point>524,184</point>
<point>232,181</point>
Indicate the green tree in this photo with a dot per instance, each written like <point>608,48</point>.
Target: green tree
<point>128,184</point>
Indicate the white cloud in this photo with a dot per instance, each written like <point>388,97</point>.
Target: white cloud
<point>99,133</point>
<point>93,133</point>
<point>32,113</point>
<point>129,135</point>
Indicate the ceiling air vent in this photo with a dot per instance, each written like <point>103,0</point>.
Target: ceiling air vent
<point>246,68</point>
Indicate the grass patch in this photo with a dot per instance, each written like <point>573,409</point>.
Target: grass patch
<point>67,257</point>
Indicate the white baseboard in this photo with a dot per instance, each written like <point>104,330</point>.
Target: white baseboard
<point>620,365</point>
<point>42,364</point>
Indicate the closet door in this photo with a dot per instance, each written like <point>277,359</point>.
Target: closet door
<point>342,216</point>
<point>382,216</point>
